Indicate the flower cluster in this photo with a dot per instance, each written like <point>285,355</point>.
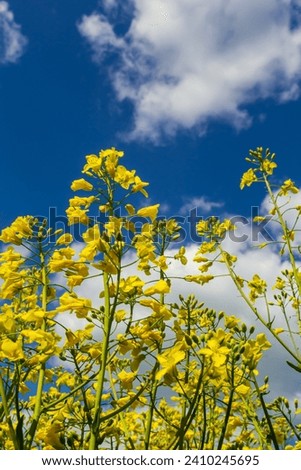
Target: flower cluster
<point>129,368</point>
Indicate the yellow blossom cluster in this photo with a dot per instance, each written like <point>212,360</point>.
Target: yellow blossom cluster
<point>135,365</point>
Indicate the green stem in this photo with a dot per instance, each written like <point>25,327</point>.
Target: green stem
<point>7,415</point>
<point>266,414</point>
<point>104,356</point>
<point>228,412</point>
<point>41,377</point>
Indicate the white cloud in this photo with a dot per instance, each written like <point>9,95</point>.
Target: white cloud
<point>12,41</point>
<point>202,203</point>
<point>109,4</point>
<point>183,64</point>
<point>100,34</point>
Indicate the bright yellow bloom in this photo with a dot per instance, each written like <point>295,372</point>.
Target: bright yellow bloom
<point>268,166</point>
<point>248,178</point>
<point>126,378</point>
<point>161,262</point>
<point>149,211</point>
<point>19,229</point>
<point>161,287</point>
<point>199,278</point>
<point>82,201</point>
<point>181,255</point>
<point>61,259</point>
<point>168,361</point>
<point>81,184</point>
<point>111,157</point>
<point>47,341</point>
<point>10,255</point>
<point>159,310</point>
<point>243,389</point>
<point>51,434</point>
<point>74,280</point>
<point>214,349</point>
<point>120,315</point>
<point>93,163</point>
<point>114,226</point>
<point>131,285</point>
<point>37,315</point>
<point>139,186</point>
<point>71,302</point>
<point>11,350</point>
<point>7,320</point>
<point>77,215</point>
<point>207,247</point>
<point>279,284</point>
<point>124,177</point>
<point>257,287</point>
<point>64,239</point>
<point>288,187</point>
<point>278,331</point>
<point>202,227</point>
<point>111,153</point>
<point>14,281</point>
<point>130,209</point>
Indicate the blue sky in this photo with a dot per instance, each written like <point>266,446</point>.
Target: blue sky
<point>185,88</point>
<point>185,91</point>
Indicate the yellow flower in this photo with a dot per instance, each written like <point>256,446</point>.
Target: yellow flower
<point>46,340</point>
<point>61,259</point>
<point>19,229</point>
<point>257,287</point>
<point>217,353</point>
<point>111,157</point>
<point>51,434</point>
<point>131,285</point>
<point>82,201</point>
<point>268,166</point>
<point>161,287</point>
<point>207,247</point>
<point>93,163</point>
<point>77,215</point>
<point>199,279</point>
<point>11,350</point>
<point>10,255</point>
<point>159,310</point>
<point>64,239</point>
<point>120,315</point>
<point>7,321</point>
<point>243,389</point>
<point>124,177</point>
<point>126,378</point>
<point>279,284</point>
<point>168,361</point>
<point>149,211</point>
<point>81,184</point>
<point>288,186</point>
<point>248,178</point>
<point>181,255</point>
<point>72,302</point>
<point>277,331</point>
<point>139,186</point>
<point>130,209</point>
